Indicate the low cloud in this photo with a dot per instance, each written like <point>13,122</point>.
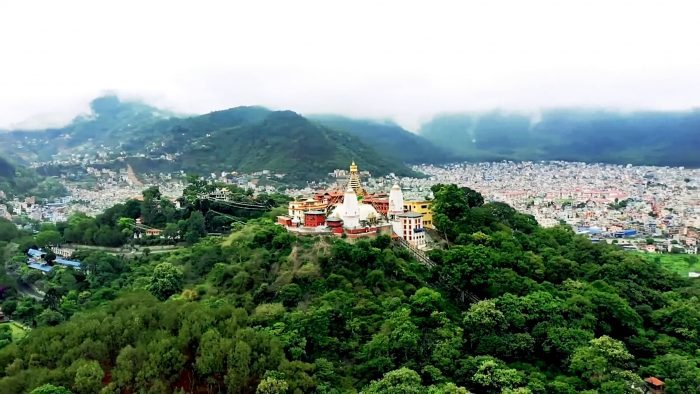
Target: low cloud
<point>395,60</point>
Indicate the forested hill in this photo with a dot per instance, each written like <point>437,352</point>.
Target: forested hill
<point>285,142</point>
<point>643,138</point>
<point>18,181</point>
<point>388,138</point>
<point>244,139</point>
<point>110,122</point>
<point>510,307</point>
<point>7,170</point>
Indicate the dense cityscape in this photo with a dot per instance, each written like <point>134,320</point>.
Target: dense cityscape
<point>601,200</point>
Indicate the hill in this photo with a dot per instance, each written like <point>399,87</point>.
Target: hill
<point>110,122</point>
<point>388,138</point>
<point>642,138</point>
<point>7,170</point>
<point>18,181</point>
<point>509,307</point>
<point>284,142</point>
<point>245,139</point>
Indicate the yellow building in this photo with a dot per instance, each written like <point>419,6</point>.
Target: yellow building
<point>422,207</point>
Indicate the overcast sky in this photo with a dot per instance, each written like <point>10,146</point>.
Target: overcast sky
<point>389,59</point>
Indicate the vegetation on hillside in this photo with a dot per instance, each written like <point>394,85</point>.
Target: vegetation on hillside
<point>642,138</point>
<point>285,142</point>
<point>389,138</point>
<point>110,122</point>
<point>17,181</point>
<point>243,139</point>
<point>510,307</point>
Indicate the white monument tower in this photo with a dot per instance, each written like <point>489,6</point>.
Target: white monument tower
<point>351,209</point>
<point>395,208</point>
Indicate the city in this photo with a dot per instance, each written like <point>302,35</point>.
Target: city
<point>600,200</point>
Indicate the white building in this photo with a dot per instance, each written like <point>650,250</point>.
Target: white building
<point>395,202</point>
<point>410,226</point>
<point>349,210</point>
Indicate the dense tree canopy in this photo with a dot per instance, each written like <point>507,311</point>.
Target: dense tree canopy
<point>509,308</point>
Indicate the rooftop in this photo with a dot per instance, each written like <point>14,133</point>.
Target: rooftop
<point>69,263</point>
<point>654,381</point>
<point>40,267</point>
<point>410,215</point>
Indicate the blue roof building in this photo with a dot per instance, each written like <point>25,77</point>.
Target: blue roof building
<point>68,263</point>
<point>36,253</point>
<point>40,267</point>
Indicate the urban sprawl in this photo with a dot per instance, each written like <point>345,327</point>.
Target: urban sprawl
<point>652,209</point>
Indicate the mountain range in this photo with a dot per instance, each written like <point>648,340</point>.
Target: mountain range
<point>19,181</point>
<point>253,138</point>
<point>244,139</point>
<point>389,138</point>
<point>641,138</point>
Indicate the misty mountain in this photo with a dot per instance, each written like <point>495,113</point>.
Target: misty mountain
<point>643,138</point>
<point>7,170</point>
<point>284,142</point>
<point>19,181</point>
<point>248,139</point>
<point>388,138</point>
<point>243,139</point>
<point>110,122</point>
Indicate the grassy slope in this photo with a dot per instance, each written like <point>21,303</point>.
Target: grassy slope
<point>678,263</point>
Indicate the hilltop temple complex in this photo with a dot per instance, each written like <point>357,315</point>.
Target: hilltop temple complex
<point>353,212</point>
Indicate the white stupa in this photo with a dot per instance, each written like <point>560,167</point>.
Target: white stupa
<point>395,201</point>
<point>395,208</point>
<point>350,209</point>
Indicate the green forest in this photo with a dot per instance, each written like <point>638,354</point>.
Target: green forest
<point>571,134</point>
<point>243,139</point>
<point>18,181</point>
<point>509,307</point>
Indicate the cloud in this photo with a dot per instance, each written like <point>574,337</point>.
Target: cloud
<point>397,59</point>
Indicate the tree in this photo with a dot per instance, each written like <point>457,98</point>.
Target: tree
<point>495,377</point>
<point>484,318</point>
<point>474,198</point>
<point>680,373</point>
<point>400,381</point>
<point>9,307</point>
<point>48,238</point>
<point>600,360</point>
<point>88,377</point>
<point>165,281</point>
<point>196,227</point>
<point>8,230</point>
<point>272,385</point>
<point>127,367</point>
<point>171,231</point>
<point>290,295</point>
<point>5,335</point>
<point>49,317</point>
<point>50,389</point>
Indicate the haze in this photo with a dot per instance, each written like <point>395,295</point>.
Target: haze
<point>400,60</point>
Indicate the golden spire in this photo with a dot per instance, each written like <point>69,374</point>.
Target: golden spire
<point>354,180</point>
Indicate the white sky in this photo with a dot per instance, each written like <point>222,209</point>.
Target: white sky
<point>396,59</point>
